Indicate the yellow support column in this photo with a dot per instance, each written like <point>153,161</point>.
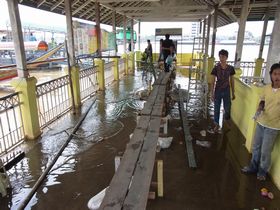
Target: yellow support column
<point>75,75</point>
<point>132,62</point>
<point>258,67</point>
<point>100,73</point>
<point>116,68</point>
<point>125,57</point>
<point>138,58</point>
<point>238,72</point>
<point>27,94</point>
<point>160,178</point>
<point>211,62</point>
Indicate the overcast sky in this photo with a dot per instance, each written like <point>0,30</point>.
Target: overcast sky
<point>31,16</point>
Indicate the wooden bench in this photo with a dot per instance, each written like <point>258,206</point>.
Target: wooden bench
<point>129,187</point>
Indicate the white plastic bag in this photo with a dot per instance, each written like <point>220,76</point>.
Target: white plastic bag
<point>95,201</point>
<point>164,142</point>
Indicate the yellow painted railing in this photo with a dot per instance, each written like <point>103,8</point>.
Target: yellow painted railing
<point>243,109</point>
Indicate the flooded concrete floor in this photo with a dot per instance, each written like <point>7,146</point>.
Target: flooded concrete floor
<point>87,164</point>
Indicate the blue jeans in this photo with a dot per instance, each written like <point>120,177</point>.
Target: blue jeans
<point>222,94</point>
<point>262,147</point>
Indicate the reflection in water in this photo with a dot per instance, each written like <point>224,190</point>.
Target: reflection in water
<point>102,122</point>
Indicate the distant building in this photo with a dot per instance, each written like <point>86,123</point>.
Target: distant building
<point>195,29</point>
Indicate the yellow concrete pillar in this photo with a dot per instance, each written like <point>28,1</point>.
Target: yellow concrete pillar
<point>116,68</point>
<point>238,72</point>
<point>75,75</point>
<point>138,58</point>
<point>126,66</point>
<point>27,94</point>
<point>100,73</point>
<point>258,67</point>
<point>132,62</point>
<point>254,103</point>
<point>211,63</point>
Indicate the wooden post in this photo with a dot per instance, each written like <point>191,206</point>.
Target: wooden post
<point>98,30</point>
<point>160,178</point>
<point>241,33</point>
<point>139,35</point>
<point>124,34</point>
<point>263,34</point>
<point>17,38</point>
<point>132,36</point>
<point>214,32</point>
<point>70,34</point>
<point>114,30</point>
<point>72,69</point>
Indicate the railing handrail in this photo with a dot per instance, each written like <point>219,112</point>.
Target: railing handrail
<point>49,81</point>
<point>35,62</point>
<point>9,95</point>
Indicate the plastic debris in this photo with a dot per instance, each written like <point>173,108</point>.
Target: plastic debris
<point>164,142</point>
<point>203,133</point>
<point>95,201</point>
<point>203,143</point>
<point>266,193</point>
<point>270,195</point>
<point>178,129</point>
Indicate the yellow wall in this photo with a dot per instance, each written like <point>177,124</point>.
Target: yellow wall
<point>242,111</point>
<point>184,59</point>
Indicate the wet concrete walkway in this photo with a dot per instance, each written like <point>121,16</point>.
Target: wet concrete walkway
<point>87,164</point>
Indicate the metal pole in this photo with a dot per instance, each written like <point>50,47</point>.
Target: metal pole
<point>203,36</point>
<point>214,32</point>
<point>263,34</point>
<point>274,45</point>
<point>124,34</point>
<point>17,38</point>
<point>208,35</point>
<point>98,30</point>
<point>241,32</point>
<point>139,34</point>
<point>132,35</point>
<point>114,30</point>
<point>70,34</point>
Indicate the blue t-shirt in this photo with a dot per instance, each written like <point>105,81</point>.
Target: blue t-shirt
<point>222,76</point>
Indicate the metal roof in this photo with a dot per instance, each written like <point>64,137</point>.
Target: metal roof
<point>159,10</point>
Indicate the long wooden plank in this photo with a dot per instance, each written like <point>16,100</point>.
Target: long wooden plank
<point>119,185</point>
<point>159,79</point>
<point>166,78</point>
<point>188,137</point>
<point>159,102</point>
<point>148,107</point>
<point>138,193</point>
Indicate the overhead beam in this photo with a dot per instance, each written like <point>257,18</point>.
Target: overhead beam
<point>113,8</point>
<point>56,4</point>
<point>230,14</point>
<point>88,10</point>
<point>170,14</point>
<point>81,7</point>
<point>254,5</point>
<point>166,19</point>
<point>39,3</point>
<point>118,1</point>
<point>189,7</point>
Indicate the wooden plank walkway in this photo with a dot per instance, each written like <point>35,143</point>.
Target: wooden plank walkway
<point>187,135</point>
<point>129,188</point>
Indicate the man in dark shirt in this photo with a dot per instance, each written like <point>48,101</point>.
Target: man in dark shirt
<point>167,46</point>
<point>220,89</point>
